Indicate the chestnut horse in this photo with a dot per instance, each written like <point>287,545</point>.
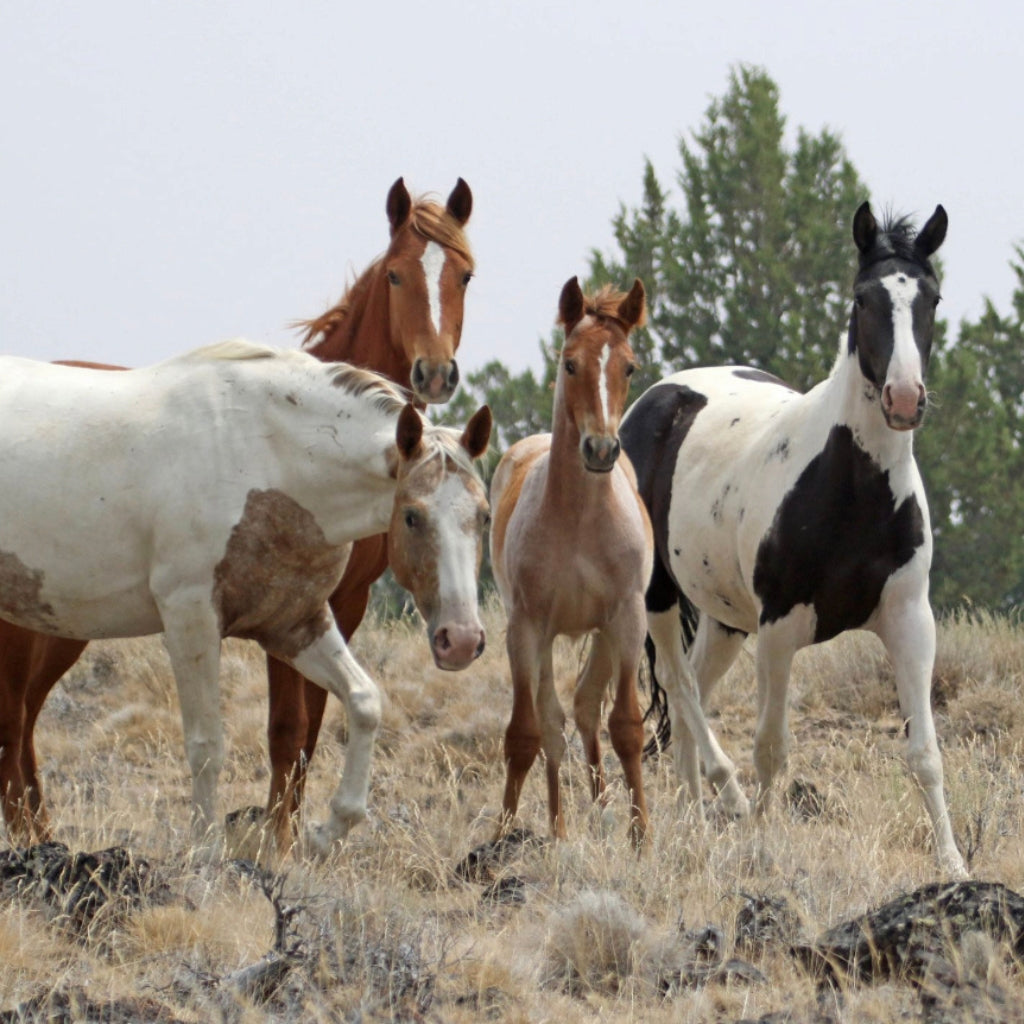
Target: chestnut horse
<point>403,318</point>
<point>572,551</point>
<point>249,472</point>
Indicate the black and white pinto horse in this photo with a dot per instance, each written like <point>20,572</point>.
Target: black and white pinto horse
<point>798,517</point>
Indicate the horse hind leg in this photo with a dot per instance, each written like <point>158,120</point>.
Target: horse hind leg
<point>693,742</point>
<point>192,638</point>
<point>30,666</point>
<point>715,648</point>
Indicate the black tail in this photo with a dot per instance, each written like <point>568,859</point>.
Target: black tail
<point>658,708</point>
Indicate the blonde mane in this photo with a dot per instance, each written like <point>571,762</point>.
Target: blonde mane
<point>428,219</point>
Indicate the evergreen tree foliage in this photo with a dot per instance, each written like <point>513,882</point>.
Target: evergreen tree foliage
<point>756,267</point>
<point>971,451</point>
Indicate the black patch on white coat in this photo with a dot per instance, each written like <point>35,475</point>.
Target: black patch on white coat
<point>836,538</point>
<point>651,436</point>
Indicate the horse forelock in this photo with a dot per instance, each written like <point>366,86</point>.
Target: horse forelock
<point>444,448</point>
<point>428,219</point>
<point>604,305</point>
<point>436,224</point>
<point>895,240</point>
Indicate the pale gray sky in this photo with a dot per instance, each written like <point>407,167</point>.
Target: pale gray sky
<point>173,174</point>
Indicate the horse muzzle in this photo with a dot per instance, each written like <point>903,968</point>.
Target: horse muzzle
<point>434,383</point>
<point>600,453</point>
<point>903,405</point>
<point>457,645</point>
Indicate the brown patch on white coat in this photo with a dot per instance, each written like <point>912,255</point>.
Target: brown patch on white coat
<point>572,550</point>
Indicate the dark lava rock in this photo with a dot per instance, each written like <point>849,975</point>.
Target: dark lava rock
<point>902,938</point>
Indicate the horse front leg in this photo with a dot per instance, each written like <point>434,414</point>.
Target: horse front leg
<point>523,734</point>
<point>908,631</point>
<point>329,663</point>
<point>775,650</point>
<point>625,723</point>
<point>591,688</point>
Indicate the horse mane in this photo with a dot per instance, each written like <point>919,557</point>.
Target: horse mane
<point>428,219</point>
<point>234,349</point>
<point>386,396</point>
<point>895,240</point>
<point>604,304</point>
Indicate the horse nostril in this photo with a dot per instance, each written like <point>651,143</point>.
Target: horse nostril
<point>480,646</point>
<point>613,450</point>
<point>419,378</point>
<point>453,375</point>
<point>442,642</point>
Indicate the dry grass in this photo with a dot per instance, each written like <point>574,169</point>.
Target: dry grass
<point>391,934</point>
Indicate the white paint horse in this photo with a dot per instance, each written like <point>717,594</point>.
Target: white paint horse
<point>799,517</point>
<point>217,494</point>
<point>571,548</point>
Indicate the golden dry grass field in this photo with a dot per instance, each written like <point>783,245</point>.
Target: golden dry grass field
<point>577,931</point>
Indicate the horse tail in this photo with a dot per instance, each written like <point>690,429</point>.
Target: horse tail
<point>657,710</point>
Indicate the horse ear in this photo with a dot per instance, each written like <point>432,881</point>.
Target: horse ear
<point>632,310</point>
<point>409,432</point>
<point>932,235</point>
<point>865,228</point>
<point>460,202</point>
<point>570,305</point>
<point>399,205</point>
<point>477,434</point>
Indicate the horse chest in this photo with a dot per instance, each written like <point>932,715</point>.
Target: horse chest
<point>836,537</point>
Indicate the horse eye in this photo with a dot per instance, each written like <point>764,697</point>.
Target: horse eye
<point>486,520</point>
<point>412,519</point>
<point>393,277</point>
<point>859,299</point>
<point>938,299</point>
<point>466,278</point>
<point>570,367</point>
<point>630,370</point>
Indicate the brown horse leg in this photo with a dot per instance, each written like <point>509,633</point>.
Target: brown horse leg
<point>625,725</point>
<point>590,690</point>
<point>30,665</point>
<point>286,730</point>
<point>523,736</point>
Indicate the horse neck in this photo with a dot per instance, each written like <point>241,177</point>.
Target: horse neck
<point>362,336</point>
<point>351,495</point>
<point>847,398</point>
<point>569,482</point>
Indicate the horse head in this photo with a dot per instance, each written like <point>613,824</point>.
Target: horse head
<point>595,366</point>
<point>893,318</point>
<point>435,540</point>
<point>428,266</point>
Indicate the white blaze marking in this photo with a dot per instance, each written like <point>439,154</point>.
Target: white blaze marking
<point>433,263</point>
<point>905,364</point>
<point>456,563</point>
<point>602,383</point>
